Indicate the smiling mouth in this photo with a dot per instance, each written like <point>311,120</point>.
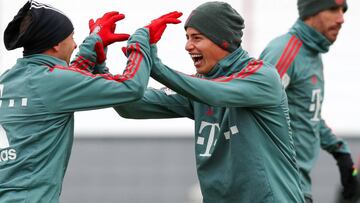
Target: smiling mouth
<point>196,58</point>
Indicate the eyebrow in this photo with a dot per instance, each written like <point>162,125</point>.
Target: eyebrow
<point>195,34</point>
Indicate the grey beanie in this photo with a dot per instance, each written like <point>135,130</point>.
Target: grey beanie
<point>311,7</point>
<point>219,22</point>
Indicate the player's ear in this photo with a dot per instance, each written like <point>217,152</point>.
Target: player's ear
<point>56,48</point>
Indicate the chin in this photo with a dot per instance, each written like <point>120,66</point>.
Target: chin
<point>200,72</point>
<point>332,39</point>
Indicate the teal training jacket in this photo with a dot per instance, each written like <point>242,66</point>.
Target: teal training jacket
<point>243,143</point>
<point>297,57</point>
<point>38,98</point>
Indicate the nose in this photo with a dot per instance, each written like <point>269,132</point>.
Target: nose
<point>340,17</point>
<point>189,45</point>
<point>75,45</point>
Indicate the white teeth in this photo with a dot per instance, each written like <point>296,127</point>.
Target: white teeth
<point>195,55</point>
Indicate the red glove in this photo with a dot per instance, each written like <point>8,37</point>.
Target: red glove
<point>157,26</point>
<point>105,27</point>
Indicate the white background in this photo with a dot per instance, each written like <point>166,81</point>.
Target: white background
<point>264,20</point>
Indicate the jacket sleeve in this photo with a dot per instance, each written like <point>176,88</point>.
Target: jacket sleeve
<point>256,85</point>
<point>273,55</point>
<point>156,104</point>
<point>74,88</point>
<point>330,142</point>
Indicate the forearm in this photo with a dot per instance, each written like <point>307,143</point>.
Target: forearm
<point>232,91</point>
<point>143,110</point>
<point>156,104</point>
<point>85,59</point>
<point>330,142</point>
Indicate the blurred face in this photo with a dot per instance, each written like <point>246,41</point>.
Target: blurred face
<point>66,47</point>
<point>327,22</point>
<point>203,51</point>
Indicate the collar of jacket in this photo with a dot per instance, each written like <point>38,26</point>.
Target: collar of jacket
<point>43,60</point>
<point>232,63</point>
<point>310,37</point>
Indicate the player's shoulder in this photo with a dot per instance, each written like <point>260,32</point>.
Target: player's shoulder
<point>261,66</point>
<point>278,43</point>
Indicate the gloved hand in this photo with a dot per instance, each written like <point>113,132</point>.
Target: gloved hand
<point>348,174</point>
<point>157,26</point>
<point>105,28</point>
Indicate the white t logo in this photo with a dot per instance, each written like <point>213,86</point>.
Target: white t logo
<point>210,140</point>
<point>315,105</point>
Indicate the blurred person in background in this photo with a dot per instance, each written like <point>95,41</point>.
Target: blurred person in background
<point>243,142</point>
<point>297,57</point>
<point>41,92</point>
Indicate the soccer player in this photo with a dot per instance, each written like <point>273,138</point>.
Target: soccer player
<point>41,92</point>
<point>243,143</point>
<point>297,56</point>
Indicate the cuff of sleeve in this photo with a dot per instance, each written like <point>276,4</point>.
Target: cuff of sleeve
<point>86,57</point>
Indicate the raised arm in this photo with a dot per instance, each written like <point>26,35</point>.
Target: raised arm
<point>255,85</point>
<point>76,88</point>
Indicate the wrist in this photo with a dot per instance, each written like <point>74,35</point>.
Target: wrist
<point>341,156</point>
<point>86,58</point>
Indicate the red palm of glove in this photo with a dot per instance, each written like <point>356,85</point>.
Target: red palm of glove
<point>105,28</point>
<point>158,26</point>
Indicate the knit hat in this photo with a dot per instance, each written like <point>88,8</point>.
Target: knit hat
<point>219,22</point>
<point>37,27</point>
<point>311,7</point>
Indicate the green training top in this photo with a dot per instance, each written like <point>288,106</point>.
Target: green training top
<point>243,143</point>
<point>297,56</point>
<point>38,98</point>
